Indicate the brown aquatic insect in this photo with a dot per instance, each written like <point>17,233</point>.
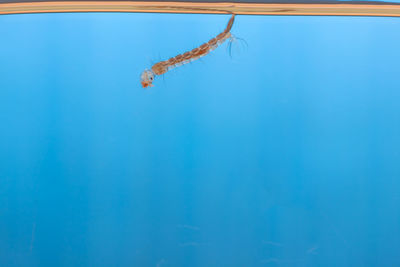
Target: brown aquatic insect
<point>162,67</point>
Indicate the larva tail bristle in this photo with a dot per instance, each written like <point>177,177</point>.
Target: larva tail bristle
<point>233,41</point>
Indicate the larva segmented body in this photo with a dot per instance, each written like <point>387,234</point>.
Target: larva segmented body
<point>162,67</point>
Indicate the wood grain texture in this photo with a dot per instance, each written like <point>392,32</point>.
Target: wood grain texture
<point>309,9</point>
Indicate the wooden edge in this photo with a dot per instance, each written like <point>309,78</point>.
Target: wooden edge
<point>390,10</point>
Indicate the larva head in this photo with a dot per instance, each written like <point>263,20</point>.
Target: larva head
<point>147,78</point>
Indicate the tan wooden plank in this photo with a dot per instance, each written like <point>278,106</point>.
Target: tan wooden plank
<point>380,10</point>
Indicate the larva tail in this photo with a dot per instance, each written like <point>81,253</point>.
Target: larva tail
<point>230,24</point>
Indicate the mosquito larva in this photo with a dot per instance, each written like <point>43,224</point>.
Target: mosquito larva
<point>162,67</point>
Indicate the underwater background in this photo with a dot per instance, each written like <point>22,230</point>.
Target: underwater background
<point>286,153</point>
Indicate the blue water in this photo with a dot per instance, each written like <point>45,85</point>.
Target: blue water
<point>286,154</point>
